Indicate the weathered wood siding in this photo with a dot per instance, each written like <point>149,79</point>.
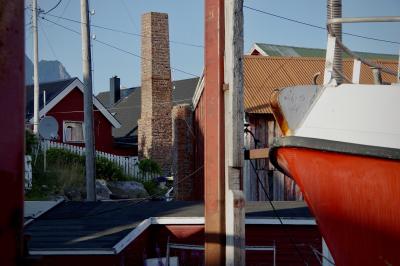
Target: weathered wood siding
<point>279,186</point>
<point>265,129</point>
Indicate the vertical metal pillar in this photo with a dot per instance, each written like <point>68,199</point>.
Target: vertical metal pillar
<point>214,184</point>
<point>334,10</point>
<point>12,104</point>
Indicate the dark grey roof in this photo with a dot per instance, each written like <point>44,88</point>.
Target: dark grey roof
<point>127,109</point>
<point>52,90</point>
<point>101,225</point>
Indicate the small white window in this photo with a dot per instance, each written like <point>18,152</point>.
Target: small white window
<point>73,131</point>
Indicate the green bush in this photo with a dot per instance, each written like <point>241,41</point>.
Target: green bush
<point>56,155</point>
<point>31,142</point>
<point>105,169</point>
<point>108,170</point>
<point>65,174</point>
<point>149,166</point>
<point>58,178</point>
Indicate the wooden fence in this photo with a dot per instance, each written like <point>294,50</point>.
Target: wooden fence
<point>129,165</point>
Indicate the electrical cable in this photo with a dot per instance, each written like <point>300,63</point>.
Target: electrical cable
<point>64,10</point>
<point>276,213</point>
<point>112,109</point>
<point>47,40</point>
<point>317,253</point>
<point>51,9</point>
<point>316,26</point>
<point>126,8</point>
<point>125,32</point>
<point>270,199</point>
<point>117,48</point>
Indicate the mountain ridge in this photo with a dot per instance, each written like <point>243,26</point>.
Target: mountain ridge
<point>49,70</point>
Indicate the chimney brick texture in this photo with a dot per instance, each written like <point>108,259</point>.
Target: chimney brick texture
<point>155,124</point>
<point>183,141</point>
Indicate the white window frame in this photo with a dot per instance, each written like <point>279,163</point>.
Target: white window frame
<point>65,123</point>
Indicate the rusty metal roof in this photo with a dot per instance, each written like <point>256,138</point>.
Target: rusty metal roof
<point>264,74</point>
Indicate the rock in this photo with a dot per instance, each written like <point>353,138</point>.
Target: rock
<point>73,194</point>
<point>131,189</point>
<point>102,191</point>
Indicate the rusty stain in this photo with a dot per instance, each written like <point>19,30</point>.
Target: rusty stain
<point>239,203</point>
<point>278,114</point>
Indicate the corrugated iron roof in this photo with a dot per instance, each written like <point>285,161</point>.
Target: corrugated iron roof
<point>285,50</point>
<point>264,74</point>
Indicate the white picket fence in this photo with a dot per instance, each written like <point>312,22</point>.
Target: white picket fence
<point>28,172</point>
<point>129,165</point>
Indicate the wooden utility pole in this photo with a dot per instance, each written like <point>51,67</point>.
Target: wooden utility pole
<point>234,133</point>
<point>88,103</point>
<point>35,68</point>
<point>214,185</point>
<point>12,141</point>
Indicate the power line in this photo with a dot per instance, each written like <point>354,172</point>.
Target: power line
<point>126,32</point>
<point>117,48</point>
<point>51,9</point>
<point>113,109</point>
<point>48,42</point>
<point>125,8</point>
<point>316,26</point>
<point>276,213</point>
<point>65,9</point>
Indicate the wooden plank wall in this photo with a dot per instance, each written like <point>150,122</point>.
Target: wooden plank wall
<point>265,129</point>
<point>279,186</point>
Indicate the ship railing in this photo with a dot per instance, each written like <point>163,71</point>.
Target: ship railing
<point>333,41</point>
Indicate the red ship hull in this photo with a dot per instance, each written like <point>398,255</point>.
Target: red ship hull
<point>355,199</point>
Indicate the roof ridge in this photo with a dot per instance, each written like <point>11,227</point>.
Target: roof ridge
<point>324,49</point>
<point>309,58</point>
<point>55,81</point>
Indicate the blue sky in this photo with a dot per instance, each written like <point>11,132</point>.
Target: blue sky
<point>187,25</point>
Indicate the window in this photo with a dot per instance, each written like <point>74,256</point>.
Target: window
<point>73,131</point>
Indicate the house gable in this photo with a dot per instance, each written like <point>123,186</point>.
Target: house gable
<point>78,84</point>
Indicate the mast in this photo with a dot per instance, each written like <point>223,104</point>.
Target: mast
<point>334,10</point>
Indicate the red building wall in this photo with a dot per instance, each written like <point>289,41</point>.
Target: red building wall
<point>198,128</point>
<point>70,108</point>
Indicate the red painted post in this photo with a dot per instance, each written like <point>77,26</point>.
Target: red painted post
<point>214,145</point>
<point>12,104</point>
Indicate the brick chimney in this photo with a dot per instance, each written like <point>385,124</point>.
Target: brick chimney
<point>115,90</point>
<point>155,124</point>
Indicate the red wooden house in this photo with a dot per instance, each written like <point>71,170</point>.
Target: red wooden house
<point>63,100</point>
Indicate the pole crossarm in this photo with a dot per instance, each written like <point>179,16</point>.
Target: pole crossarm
<point>363,20</point>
